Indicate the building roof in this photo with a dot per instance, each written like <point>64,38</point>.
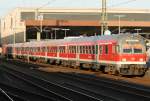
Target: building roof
<point>86,14</point>
<point>82,17</point>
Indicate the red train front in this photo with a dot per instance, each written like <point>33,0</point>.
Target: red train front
<point>123,54</point>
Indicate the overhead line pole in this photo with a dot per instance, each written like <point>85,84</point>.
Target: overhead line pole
<point>104,26</point>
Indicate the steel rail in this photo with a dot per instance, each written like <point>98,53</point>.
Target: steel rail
<point>37,81</point>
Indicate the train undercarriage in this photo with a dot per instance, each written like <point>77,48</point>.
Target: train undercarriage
<point>113,69</point>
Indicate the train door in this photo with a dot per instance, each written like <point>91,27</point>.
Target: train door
<point>96,54</point>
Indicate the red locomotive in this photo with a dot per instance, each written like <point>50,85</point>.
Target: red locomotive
<point>123,54</point>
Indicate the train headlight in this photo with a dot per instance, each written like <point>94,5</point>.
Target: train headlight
<point>141,59</point>
<point>124,60</point>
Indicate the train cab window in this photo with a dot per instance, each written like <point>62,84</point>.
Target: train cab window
<point>137,50</point>
<point>100,49</point>
<point>106,49</point>
<point>127,50</point>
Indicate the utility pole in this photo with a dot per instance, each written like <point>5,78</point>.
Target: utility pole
<point>104,26</point>
<point>119,22</point>
<point>65,31</point>
<point>55,31</point>
<point>137,30</point>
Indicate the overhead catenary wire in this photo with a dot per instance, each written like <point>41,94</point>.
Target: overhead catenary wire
<point>46,4</point>
<point>122,3</point>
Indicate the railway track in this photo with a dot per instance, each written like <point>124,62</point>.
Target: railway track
<point>5,96</point>
<point>104,89</point>
<point>38,93</point>
<point>61,91</point>
<point>122,89</point>
<point>17,94</point>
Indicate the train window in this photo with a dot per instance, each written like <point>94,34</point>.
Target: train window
<point>48,49</point>
<point>75,49</point>
<point>72,49</point>
<point>93,49</point>
<point>129,50</point>
<point>62,49</point>
<point>90,50</point>
<point>136,50</point>
<point>59,49</point>
<point>43,49</point>
<point>55,49</point>
<point>81,49</point>
<point>106,49</point>
<point>69,50</point>
<point>117,49</point>
<point>100,49</point>
<point>33,49</point>
<point>87,49</point>
<point>52,49</point>
<point>27,48</point>
<point>38,49</point>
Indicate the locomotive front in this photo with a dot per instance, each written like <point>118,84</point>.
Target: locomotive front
<point>132,55</point>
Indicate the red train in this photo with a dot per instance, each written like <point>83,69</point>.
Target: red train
<point>123,54</point>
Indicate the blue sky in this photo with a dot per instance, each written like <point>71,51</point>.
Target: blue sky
<point>6,5</point>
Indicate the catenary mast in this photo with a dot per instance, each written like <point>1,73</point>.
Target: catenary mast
<point>104,26</point>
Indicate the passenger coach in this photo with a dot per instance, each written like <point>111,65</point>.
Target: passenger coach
<point>123,54</point>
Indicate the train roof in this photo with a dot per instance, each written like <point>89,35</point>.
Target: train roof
<point>113,37</point>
